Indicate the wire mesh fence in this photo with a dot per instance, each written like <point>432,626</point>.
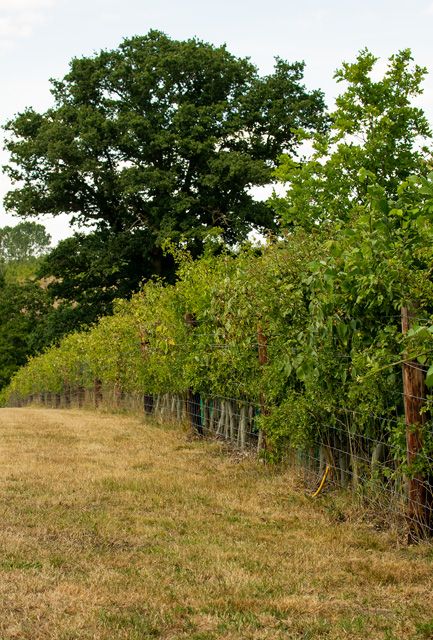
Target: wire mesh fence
<point>372,470</point>
<point>233,420</point>
<point>383,458</point>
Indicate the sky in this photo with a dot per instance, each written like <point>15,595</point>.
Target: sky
<point>38,38</point>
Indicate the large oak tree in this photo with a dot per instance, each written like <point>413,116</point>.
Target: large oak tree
<point>157,139</point>
<point>160,134</point>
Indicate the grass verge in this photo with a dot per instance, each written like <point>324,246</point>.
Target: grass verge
<point>116,529</point>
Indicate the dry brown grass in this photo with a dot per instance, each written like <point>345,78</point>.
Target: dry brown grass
<point>112,528</point>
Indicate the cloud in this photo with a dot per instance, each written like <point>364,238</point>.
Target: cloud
<point>16,6</point>
<point>429,9</point>
<point>11,29</point>
<point>19,18</point>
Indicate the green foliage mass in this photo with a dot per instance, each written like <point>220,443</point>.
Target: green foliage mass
<point>23,242</point>
<point>163,135</point>
<point>87,272</point>
<point>23,303</point>
<point>377,136</point>
<point>157,139</point>
<point>327,294</point>
<point>22,306</point>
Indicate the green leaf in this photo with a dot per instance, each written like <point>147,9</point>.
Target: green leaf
<point>429,377</point>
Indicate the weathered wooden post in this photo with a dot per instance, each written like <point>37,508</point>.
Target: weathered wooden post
<point>262,342</point>
<point>67,395</point>
<point>193,407</point>
<point>207,415</point>
<point>148,404</point>
<point>80,396</point>
<point>97,392</point>
<point>118,395</point>
<point>414,394</point>
<point>148,399</point>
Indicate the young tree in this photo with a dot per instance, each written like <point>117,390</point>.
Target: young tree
<point>377,136</point>
<point>24,241</point>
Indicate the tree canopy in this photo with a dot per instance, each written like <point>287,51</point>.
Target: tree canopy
<point>24,241</point>
<point>377,136</point>
<point>22,308</point>
<point>162,135</point>
<point>158,139</point>
<point>86,272</point>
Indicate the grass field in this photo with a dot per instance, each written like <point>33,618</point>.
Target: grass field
<point>112,528</point>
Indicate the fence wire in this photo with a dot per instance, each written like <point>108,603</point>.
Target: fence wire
<point>368,468</point>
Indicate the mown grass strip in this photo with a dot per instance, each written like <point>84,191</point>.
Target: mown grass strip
<point>149,535</point>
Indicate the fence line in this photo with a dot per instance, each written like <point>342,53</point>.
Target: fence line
<point>367,467</point>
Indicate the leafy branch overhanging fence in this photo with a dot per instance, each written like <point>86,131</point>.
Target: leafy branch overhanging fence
<point>266,353</point>
<point>371,468</point>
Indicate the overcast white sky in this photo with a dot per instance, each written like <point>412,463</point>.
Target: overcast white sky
<point>39,37</point>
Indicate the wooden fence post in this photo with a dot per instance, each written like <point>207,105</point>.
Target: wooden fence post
<point>148,403</point>
<point>67,395</point>
<point>148,399</point>
<point>118,395</point>
<point>97,390</point>
<point>193,407</point>
<point>262,342</point>
<point>414,394</point>
<point>81,392</point>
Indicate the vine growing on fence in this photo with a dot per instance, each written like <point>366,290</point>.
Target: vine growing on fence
<point>356,246</point>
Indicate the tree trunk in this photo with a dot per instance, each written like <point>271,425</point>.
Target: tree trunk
<point>67,396</point>
<point>262,342</point>
<point>148,404</point>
